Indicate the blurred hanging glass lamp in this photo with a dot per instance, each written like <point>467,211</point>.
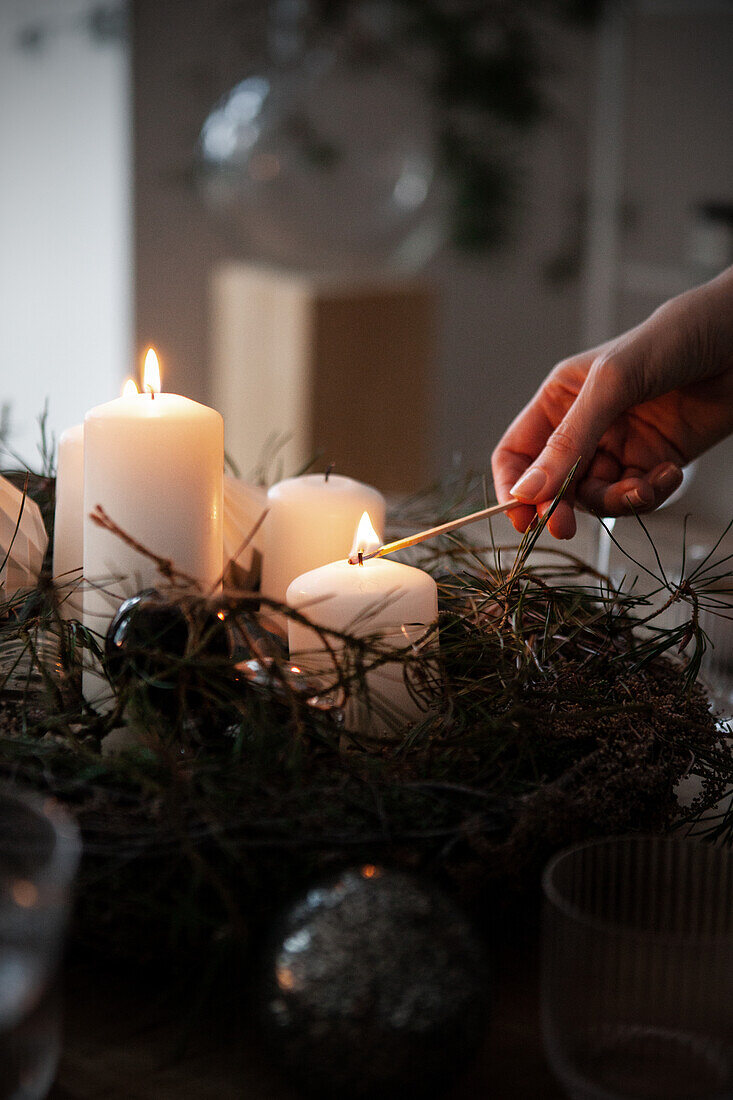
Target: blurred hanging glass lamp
<point>327,160</point>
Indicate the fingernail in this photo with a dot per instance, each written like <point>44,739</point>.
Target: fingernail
<point>638,499</point>
<point>668,475</point>
<point>530,485</point>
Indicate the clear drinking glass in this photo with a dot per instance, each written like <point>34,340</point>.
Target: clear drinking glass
<point>637,969</point>
<point>39,854</point>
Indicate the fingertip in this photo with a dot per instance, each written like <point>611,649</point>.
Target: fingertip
<point>622,498</point>
<point>522,517</point>
<point>639,497</point>
<point>507,468</point>
<point>592,494</point>
<point>665,480</point>
<point>561,524</point>
<point>531,486</point>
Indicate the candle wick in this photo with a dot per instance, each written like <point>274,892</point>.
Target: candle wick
<point>329,470</point>
<point>361,557</point>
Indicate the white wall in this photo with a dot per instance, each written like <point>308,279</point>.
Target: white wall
<point>65,301</point>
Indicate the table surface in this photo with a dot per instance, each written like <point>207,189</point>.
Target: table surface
<point>117,1047</point>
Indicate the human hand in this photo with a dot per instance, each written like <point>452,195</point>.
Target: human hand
<point>633,411</point>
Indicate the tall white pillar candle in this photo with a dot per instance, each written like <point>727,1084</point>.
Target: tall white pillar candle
<point>68,538</point>
<point>155,464</point>
<point>311,521</point>
<point>381,599</point>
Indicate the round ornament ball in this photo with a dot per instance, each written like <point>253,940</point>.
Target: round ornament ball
<point>148,641</point>
<point>23,539</point>
<point>377,986</point>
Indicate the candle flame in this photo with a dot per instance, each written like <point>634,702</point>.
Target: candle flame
<point>130,388</point>
<point>365,539</point>
<point>151,372</point>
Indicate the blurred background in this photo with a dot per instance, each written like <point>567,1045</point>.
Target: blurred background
<point>368,222</point>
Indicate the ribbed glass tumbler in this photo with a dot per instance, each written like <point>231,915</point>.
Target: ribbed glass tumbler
<point>637,970</point>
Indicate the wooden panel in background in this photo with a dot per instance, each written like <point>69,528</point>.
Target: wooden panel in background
<point>344,369</point>
<point>373,351</point>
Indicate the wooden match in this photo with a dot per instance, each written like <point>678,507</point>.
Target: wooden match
<point>432,532</point>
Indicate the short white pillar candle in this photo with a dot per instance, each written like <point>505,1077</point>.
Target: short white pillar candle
<point>311,521</point>
<point>381,599</point>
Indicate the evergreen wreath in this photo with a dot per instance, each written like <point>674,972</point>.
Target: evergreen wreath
<point>557,710</point>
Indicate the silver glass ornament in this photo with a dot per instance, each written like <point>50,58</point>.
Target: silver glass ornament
<point>377,986</point>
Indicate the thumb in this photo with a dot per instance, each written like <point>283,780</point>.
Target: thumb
<point>602,398</point>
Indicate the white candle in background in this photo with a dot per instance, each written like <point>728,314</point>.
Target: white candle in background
<point>154,461</point>
<point>311,521</point>
<point>385,599</point>
<point>68,539</point>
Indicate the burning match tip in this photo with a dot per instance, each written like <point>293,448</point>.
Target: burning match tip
<point>442,529</point>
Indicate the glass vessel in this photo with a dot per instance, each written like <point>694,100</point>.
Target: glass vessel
<point>637,975</point>
<point>326,161</point>
<point>39,853</point>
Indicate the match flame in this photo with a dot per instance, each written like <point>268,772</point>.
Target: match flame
<point>130,388</point>
<point>366,538</point>
<point>151,372</point>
